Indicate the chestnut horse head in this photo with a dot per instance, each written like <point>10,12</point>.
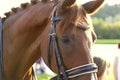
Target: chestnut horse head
<point>62,35</point>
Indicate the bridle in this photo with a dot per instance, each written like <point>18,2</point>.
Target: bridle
<point>62,73</point>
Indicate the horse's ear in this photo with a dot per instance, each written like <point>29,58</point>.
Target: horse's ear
<point>92,6</point>
<point>66,4</point>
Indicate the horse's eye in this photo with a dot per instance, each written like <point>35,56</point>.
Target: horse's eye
<point>65,39</point>
<point>82,27</point>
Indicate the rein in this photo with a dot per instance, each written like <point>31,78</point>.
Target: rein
<point>62,73</point>
<point>2,74</point>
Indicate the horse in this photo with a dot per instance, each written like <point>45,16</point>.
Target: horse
<point>58,31</point>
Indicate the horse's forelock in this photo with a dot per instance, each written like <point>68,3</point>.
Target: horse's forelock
<point>76,14</point>
<point>75,11</point>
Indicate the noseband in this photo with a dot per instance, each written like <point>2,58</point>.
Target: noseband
<point>62,73</point>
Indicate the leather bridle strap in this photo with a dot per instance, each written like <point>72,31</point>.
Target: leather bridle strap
<point>82,70</point>
<point>52,37</point>
<point>2,74</point>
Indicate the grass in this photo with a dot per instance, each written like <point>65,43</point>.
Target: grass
<point>107,41</point>
<point>111,75</point>
<point>44,76</point>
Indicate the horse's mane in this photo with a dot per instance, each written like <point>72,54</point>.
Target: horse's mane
<point>23,6</point>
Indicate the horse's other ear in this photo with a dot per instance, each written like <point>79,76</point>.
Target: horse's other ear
<point>92,6</point>
<point>66,4</point>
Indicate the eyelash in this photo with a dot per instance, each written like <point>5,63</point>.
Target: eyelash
<point>82,27</point>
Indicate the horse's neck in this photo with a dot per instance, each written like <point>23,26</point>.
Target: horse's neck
<point>20,39</point>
